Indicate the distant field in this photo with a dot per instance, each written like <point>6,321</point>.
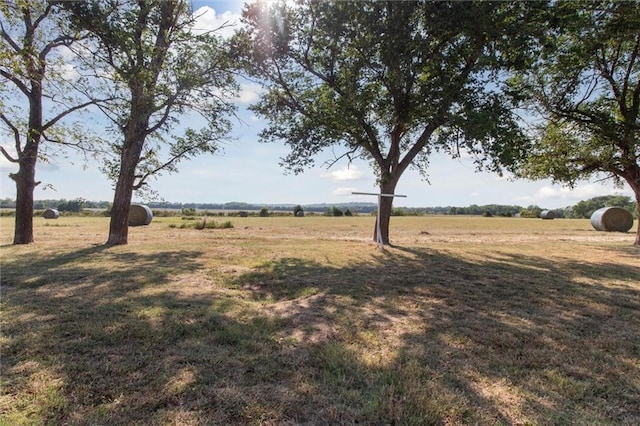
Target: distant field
<point>282,320</point>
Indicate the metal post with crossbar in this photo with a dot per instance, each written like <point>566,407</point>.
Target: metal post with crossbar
<point>378,233</point>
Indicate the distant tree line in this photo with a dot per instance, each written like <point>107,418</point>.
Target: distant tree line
<point>582,209</point>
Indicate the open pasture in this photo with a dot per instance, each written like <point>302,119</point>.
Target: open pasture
<point>278,321</point>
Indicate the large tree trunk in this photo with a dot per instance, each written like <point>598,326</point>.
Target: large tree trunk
<point>119,225</point>
<point>25,179</point>
<point>636,192</point>
<point>632,176</point>
<point>25,185</point>
<point>135,132</point>
<point>384,206</point>
<point>637,241</point>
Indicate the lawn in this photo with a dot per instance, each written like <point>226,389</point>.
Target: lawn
<point>282,321</point>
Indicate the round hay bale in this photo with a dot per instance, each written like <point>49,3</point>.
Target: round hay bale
<point>548,214</point>
<point>612,219</point>
<point>139,215</point>
<point>51,214</point>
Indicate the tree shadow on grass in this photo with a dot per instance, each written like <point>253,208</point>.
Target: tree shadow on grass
<point>414,337</point>
<point>508,339</point>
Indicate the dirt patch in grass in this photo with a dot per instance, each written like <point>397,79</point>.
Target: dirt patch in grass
<point>484,321</point>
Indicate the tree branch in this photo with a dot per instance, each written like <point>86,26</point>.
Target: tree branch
<point>63,114</point>
<point>627,76</point>
<point>15,80</point>
<point>348,154</point>
<point>16,136</point>
<point>173,159</point>
<point>9,40</point>
<point>44,15</point>
<point>7,155</point>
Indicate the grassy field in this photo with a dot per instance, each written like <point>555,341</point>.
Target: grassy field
<point>283,321</point>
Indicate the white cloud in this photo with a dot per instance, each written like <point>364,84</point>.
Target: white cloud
<point>249,93</point>
<point>343,191</point>
<point>551,194</point>
<point>347,173</point>
<point>208,20</point>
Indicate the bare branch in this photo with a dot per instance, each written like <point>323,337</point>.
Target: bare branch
<point>63,114</point>
<point>8,39</point>
<point>44,15</point>
<point>349,154</point>
<point>16,134</point>
<point>15,80</point>
<point>7,155</point>
<point>173,159</point>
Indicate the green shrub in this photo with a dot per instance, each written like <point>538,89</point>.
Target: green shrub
<point>334,211</point>
<point>212,224</point>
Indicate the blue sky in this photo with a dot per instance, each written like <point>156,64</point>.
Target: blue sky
<point>248,171</point>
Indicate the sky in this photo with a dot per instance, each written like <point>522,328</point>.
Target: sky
<point>246,170</point>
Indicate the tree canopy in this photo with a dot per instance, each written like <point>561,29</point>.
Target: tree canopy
<point>585,92</point>
<point>36,98</point>
<point>389,82</point>
<point>156,70</point>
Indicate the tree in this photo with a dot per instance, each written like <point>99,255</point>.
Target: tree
<point>74,206</point>
<point>34,103</point>
<point>158,70</point>
<point>586,90</point>
<point>387,81</point>
<point>584,209</point>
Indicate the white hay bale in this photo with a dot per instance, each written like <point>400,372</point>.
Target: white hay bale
<point>51,214</point>
<point>548,214</point>
<point>612,219</point>
<point>139,215</point>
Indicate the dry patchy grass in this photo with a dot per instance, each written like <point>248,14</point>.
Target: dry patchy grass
<point>305,321</point>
